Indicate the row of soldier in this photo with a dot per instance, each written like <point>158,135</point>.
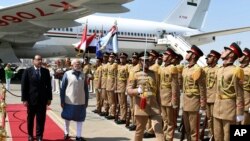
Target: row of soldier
<point>155,90</point>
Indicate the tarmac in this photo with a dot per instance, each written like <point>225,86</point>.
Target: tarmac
<point>95,127</point>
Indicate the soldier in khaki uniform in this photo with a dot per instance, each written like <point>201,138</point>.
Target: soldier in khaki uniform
<point>244,61</point>
<point>194,93</point>
<point>229,102</point>
<point>154,66</point>
<point>122,77</point>
<point>147,102</point>
<point>104,72</point>
<point>169,93</point>
<point>134,68</point>
<point>111,85</point>
<point>211,77</point>
<point>97,85</point>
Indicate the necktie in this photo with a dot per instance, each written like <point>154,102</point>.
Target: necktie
<point>37,74</point>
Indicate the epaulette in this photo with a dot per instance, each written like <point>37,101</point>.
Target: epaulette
<point>197,72</point>
<point>173,69</point>
<point>180,68</point>
<point>239,72</point>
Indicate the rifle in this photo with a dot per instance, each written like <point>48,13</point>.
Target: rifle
<point>202,134</point>
<point>182,130</point>
<point>128,117</point>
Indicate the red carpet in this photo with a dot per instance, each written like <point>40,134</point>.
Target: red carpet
<point>17,114</point>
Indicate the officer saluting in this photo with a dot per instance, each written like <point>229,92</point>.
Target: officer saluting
<point>229,102</point>
<point>244,61</point>
<point>194,93</point>
<point>147,102</point>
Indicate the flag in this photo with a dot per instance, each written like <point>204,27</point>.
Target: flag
<point>98,45</point>
<point>82,44</point>
<point>106,39</point>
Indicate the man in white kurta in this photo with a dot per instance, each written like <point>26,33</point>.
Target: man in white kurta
<point>74,99</point>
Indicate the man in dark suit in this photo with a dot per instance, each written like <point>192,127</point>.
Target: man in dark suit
<point>36,95</point>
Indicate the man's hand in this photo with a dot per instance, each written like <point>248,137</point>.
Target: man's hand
<point>239,118</point>
<point>25,103</point>
<point>49,102</point>
<point>139,89</point>
<point>174,106</point>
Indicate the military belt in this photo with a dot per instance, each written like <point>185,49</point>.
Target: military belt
<point>227,96</point>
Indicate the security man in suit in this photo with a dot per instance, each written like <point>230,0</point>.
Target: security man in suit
<point>147,101</point>
<point>36,96</point>
<point>111,85</point>
<point>211,76</point>
<point>134,68</point>
<point>154,66</point>
<point>122,77</point>
<point>194,93</point>
<point>244,64</point>
<point>229,100</point>
<point>169,93</point>
<point>104,74</point>
<point>97,85</point>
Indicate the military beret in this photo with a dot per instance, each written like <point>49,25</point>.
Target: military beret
<point>246,52</point>
<point>214,53</point>
<point>194,49</point>
<point>112,54</point>
<point>154,53</point>
<point>135,55</point>
<point>169,51</point>
<point>123,54</point>
<point>236,49</point>
<point>144,55</point>
<point>106,54</point>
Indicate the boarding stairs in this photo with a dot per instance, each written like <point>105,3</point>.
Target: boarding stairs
<point>179,45</point>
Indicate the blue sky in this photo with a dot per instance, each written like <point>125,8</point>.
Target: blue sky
<point>222,14</point>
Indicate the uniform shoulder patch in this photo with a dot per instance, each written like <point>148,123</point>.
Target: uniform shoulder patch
<point>239,73</point>
<point>173,69</point>
<point>197,72</point>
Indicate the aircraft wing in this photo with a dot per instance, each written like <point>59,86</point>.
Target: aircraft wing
<point>26,22</point>
<point>204,38</point>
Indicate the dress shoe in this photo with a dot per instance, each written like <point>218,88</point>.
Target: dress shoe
<point>80,139</point>
<point>30,138</point>
<point>120,121</point>
<point>148,135</point>
<point>66,136</point>
<point>95,111</point>
<point>110,117</point>
<point>132,127</point>
<point>102,114</point>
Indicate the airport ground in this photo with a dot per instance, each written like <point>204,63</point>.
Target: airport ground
<point>95,127</point>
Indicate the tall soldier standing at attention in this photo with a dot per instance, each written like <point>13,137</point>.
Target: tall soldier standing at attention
<point>97,85</point>
<point>211,77</point>
<point>135,67</point>
<point>169,94</point>
<point>111,85</point>
<point>244,61</point>
<point>147,101</point>
<point>194,93</point>
<point>229,102</point>
<point>122,77</point>
<point>104,83</point>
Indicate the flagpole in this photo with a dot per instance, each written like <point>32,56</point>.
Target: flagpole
<point>145,50</point>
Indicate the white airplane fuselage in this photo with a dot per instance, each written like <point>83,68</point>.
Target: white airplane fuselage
<point>134,35</point>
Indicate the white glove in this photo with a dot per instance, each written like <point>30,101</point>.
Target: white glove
<point>249,110</point>
<point>139,90</point>
<point>201,112</point>
<point>89,75</point>
<point>239,118</point>
<point>174,106</point>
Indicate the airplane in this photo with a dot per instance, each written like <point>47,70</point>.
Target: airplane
<point>24,25</point>
<point>55,38</point>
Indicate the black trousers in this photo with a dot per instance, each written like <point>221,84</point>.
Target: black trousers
<point>38,111</point>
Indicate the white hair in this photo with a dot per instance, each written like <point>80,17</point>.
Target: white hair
<point>76,61</point>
